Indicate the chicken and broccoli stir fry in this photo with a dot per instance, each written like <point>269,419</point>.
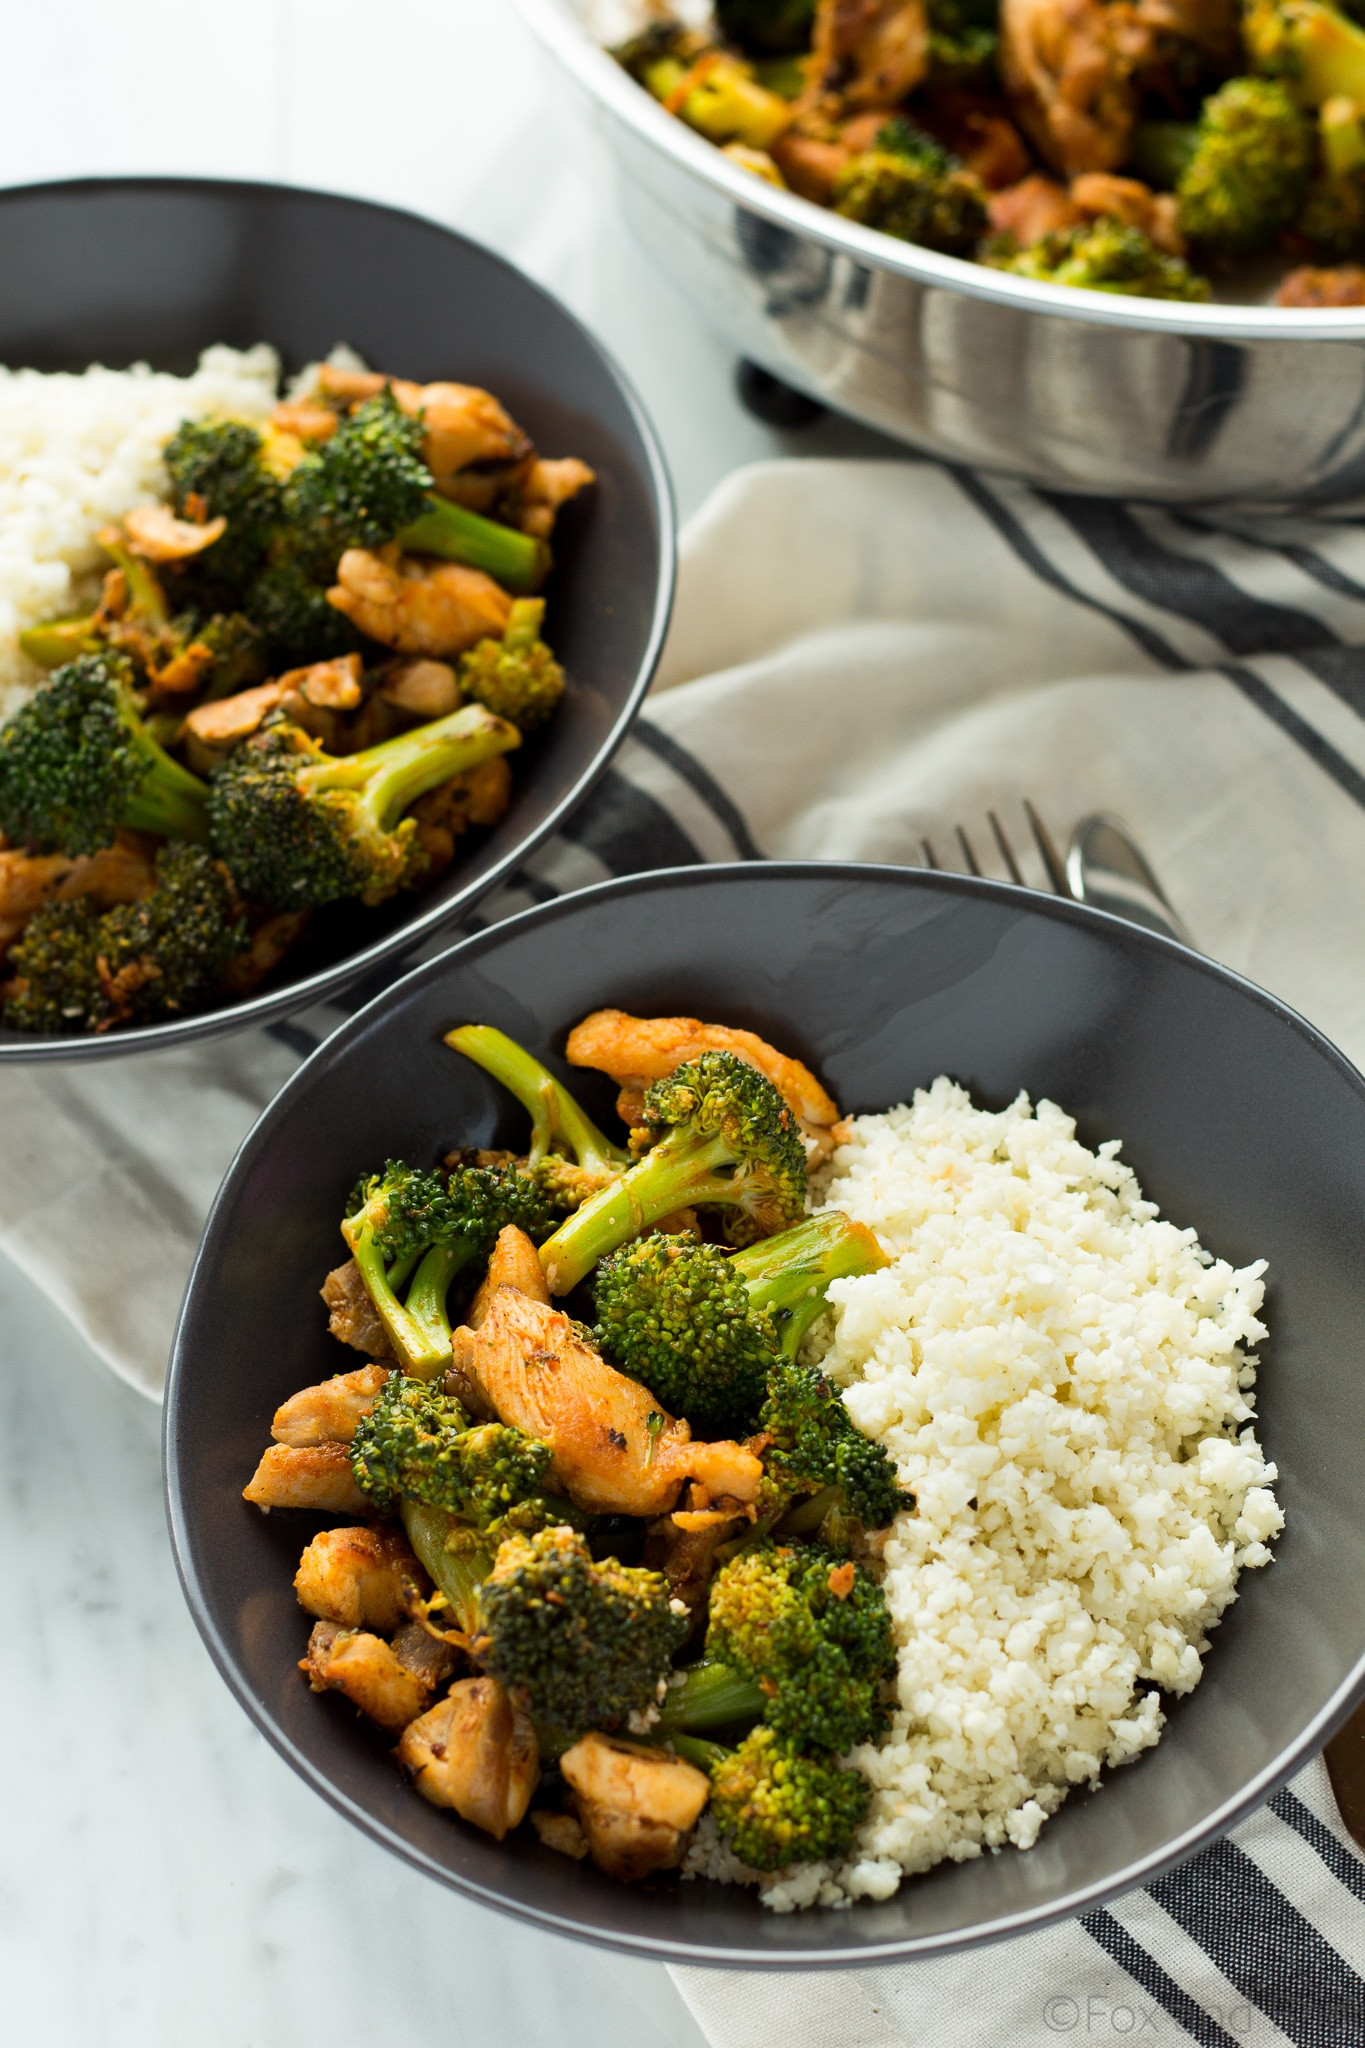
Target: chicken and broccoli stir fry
<point>1135,146</point>
<point>607,1546</point>
<point>300,687</point>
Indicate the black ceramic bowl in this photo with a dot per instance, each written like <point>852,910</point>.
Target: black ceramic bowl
<point>123,270</point>
<point>1238,1117</point>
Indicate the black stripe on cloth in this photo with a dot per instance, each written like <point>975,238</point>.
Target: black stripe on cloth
<point>1348,1869</point>
<point>702,783</point>
<point>1183,584</point>
<point>1343,671</point>
<point>1264,1946</point>
<point>1032,556</point>
<point>1119,1945</point>
<point>1307,560</point>
<point>629,830</point>
<point>1298,729</point>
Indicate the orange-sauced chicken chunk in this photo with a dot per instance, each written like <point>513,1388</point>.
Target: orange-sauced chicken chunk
<point>121,873</point>
<point>363,1667</point>
<point>355,1577</point>
<point>419,607</point>
<point>636,1805</point>
<point>615,1450</point>
<point>637,1050</point>
<point>354,1319</point>
<point>329,1412</point>
<point>1068,70</point>
<point>475,1751</point>
<point>870,53</point>
<point>318,1477</point>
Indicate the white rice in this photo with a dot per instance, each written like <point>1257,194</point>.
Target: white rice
<point>79,451</point>
<point>1063,1380</point>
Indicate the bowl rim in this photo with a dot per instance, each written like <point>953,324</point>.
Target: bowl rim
<point>273,1004</point>
<point>570,42</point>
<point>1028,1920</point>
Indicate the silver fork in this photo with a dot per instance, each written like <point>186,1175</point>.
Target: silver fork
<point>1104,866</point>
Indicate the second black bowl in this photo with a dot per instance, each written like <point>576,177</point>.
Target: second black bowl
<point>1238,1118</point>
<point>123,270</point>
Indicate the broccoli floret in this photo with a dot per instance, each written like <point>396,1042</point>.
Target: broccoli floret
<point>559,1126</point>
<point>963,39</point>
<point>721,98</point>
<point>301,827</point>
<point>779,1806</point>
<point>816,1454</point>
<point>288,606</point>
<point>703,1331</point>
<point>1252,157</point>
<point>586,1643</point>
<point>767,28</point>
<point>217,470</point>
<point>1318,52</point>
<point>361,487</point>
<point>909,186</point>
<point>1332,218</point>
<point>78,968</point>
<point>1101,256</point>
<point>813,1632</point>
<point>724,1138</point>
<point>517,677</point>
<point>76,763</point>
<point>417,1443</point>
<point>403,1219</point>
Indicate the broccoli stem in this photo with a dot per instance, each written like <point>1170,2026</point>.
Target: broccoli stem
<point>426,1302</point>
<point>789,1275</point>
<point>60,640</point>
<point>555,1117</point>
<point>806,1517</point>
<point>423,1352</point>
<point>394,774</point>
<point>695,1749</point>
<point>457,1573</point>
<point>171,800</point>
<point>514,559</point>
<point>683,1168</point>
<point>710,1696</point>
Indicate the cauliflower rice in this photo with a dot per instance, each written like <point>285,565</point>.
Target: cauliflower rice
<point>1063,1380</point>
<point>79,451</point>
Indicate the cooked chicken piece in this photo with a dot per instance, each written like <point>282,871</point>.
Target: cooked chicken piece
<point>424,1654</point>
<point>870,52</point>
<point>615,1450</point>
<point>683,1547</point>
<point>548,486</point>
<point>318,1477</point>
<point>366,1670</point>
<point>426,689</point>
<point>355,1577</point>
<point>636,1805</point>
<point>122,873</point>
<point>1157,214</point>
<point>155,533</point>
<point>1157,30</point>
<point>305,419</point>
<point>417,606</point>
<point>461,424</point>
<point>479,796</point>
<point>515,1263</point>
<point>810,164</point>
<point>1070,79</point>
<point>1035,207</point>
<point>637,1050</point>
<point>220,724</point>
<point>330,685</point>
<point>562,1832</point>
<point>354,1318</point>
<point>1343,285</point>
<point>349,387</point>
<point>329,1412</point>
<point>475,1751</point>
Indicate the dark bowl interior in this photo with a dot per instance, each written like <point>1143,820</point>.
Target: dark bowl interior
<point>125,270</point>
<point>1238,1118</point>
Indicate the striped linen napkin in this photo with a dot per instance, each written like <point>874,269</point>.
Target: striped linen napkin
<point>865,654</point>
